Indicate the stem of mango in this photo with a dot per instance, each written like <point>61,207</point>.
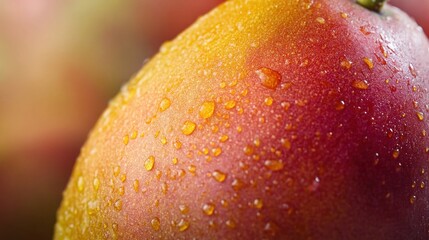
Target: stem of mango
<point>373,5</point>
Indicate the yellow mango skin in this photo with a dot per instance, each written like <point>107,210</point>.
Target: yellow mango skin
<point>204,142</point>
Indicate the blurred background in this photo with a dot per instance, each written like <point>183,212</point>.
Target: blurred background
<point>60,63</point>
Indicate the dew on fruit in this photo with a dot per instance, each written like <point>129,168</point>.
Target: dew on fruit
<point>346,64</point>
<point>133,135</point>
<point>229,104</point>
<point>164,187</point>
<point>268,77</point>
<point>136,185</point>
<point>217,151</point>
<point>314,185</point>
<point>175,160</point>
<point>123,177</point>
<point>286,143</point>
<point>422,185</point>
<point>223,138</point>
<point>183,225</point>
<point>340,105</point>
<point>192,169</point>
<point>80,184</point>
<point>118,205</point>
<point>155,223</point>
<point>274,165</point>
<point>207,109</point>
<point>360,84</point>
<point>188,127</point>
<point>412,70</point>
<point>92,207</point>
<point>126,139</point>
<point>248,150</point>
<point>420,116</point>
<point>344,15</point>
<point>271,228</point>
<point>121,191</point>
<point>237,184</point>
<point>230,223</point>
<point>258,203</point>
<point>116,171</point>
<point>395,153</point>
<point>285,105</point>
<point>149,163</point>
<point>219,176</point>
<point>268,101</point>
<point>368,62</point>
<point>208,209</point>
<point>96,184</point>
<point>183,209</point>
<point>164,104</point>
<point>320,20</point>
<point>177,144</point>
<point>413,199</point>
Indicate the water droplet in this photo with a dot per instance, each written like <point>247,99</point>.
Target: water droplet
<point>164,104</point>
<point>286,143</point>
<point>92,207</point>
<point>155,223</point>
<point>230,223</point>
<point>219,176</point>
<point>229,104</point>
<point>360,84</point>
<point>314,185</point>
<point>123,178</point>
<point>248,150</point>
<point>274,165</point>
<point>183,209</point>
<point>175,160</point>
<point>116,171</point>
<point>192,168</point>
<point>320,20</point>
<point>420,116</point>
<point>258,203</point>
<point>118,205</point>
<point>183,225</point>
<point>216,151</point>
<point>208,209</point>
<point>344,15</point>
<point>164,187</point>
<point>188,127</point>
<point>149,163</point>
<point>136,185</point>
<point>223,138</point>
<point>368,62</point>
<point>237,184</point>
<point>121,191</point>
<point>268,101</point>
<point>96,184</point>
<point>177,144</point>
<point>340,105</point>
<point>126,139</point>
<point>346,64</point>
<point>207,109</point>
<point>271,228</point>
<point>413,199</point>
<point>134,135</point>
<point>285,105</point>
<point>269,78</point>
<point>412,70</point>
<point>80,184</point>
<point>395,153</point>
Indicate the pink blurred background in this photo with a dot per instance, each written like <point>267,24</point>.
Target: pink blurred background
<point>60,63</point>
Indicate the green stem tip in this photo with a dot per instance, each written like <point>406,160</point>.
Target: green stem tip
<point>373,5</point>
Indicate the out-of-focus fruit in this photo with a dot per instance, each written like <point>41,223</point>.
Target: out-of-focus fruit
<point>266,119</point>
<point>60,62</point>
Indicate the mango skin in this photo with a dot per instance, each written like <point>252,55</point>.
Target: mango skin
<point>265,120</point>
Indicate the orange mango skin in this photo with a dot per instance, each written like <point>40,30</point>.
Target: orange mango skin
<point>336,149</point>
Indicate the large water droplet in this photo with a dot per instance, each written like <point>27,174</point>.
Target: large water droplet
<point>207,109</point>
<point>188,127</point>
<point>269,78</point>
<point>219,176</point>
<point>164,104</point>
<point>149,163</point>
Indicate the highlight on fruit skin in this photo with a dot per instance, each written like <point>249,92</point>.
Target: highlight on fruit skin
<point>275,119</point>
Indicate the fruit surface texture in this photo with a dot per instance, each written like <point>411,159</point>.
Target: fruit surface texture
<point>265,120</point>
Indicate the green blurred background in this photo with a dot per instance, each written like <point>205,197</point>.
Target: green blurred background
<point>60,63</point>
